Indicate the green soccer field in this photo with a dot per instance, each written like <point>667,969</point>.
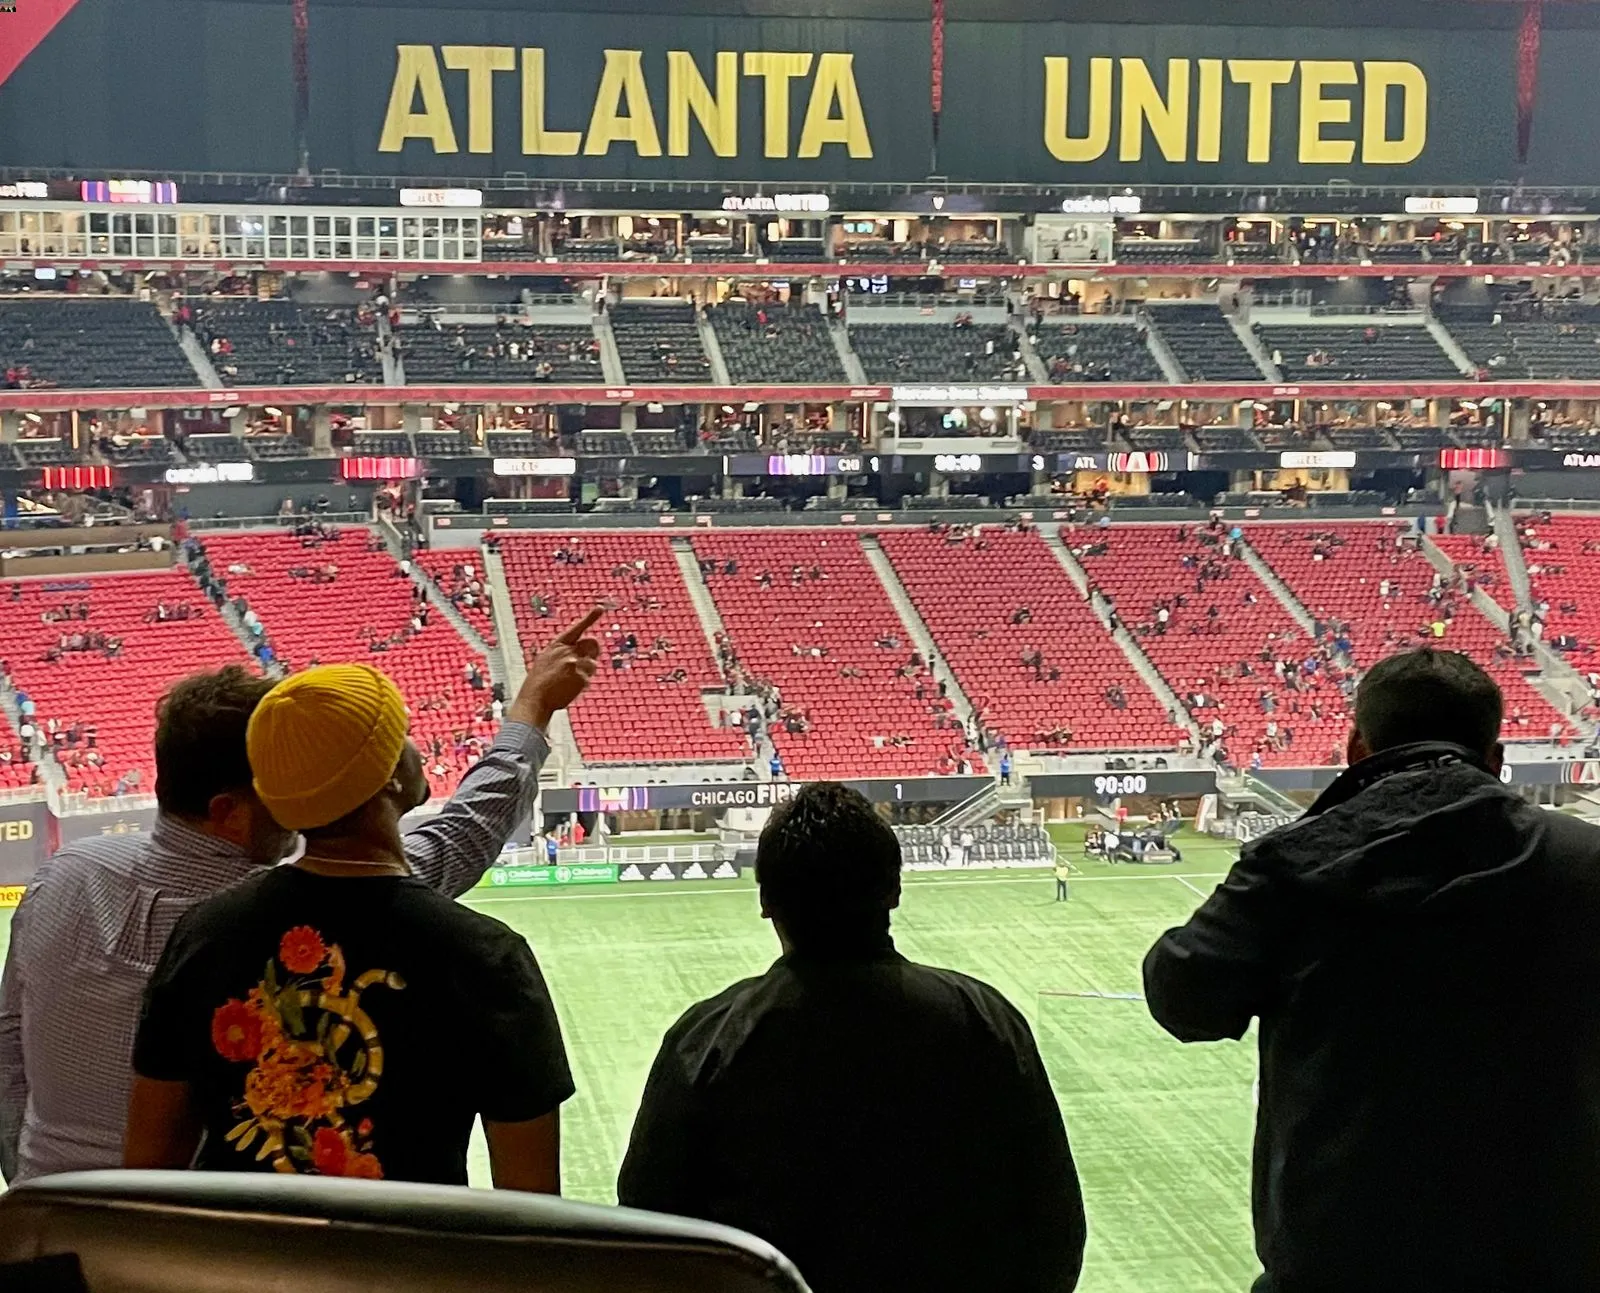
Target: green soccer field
<point>1161,1132</point>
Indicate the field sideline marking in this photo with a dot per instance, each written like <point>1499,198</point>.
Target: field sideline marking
<point>1183,880</point>
<point>640,892</point>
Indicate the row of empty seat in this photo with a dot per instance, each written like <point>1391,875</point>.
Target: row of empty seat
<point>970,599</point>
<point>368,601</point>
<point>114,694</point>
<point>806,613</point>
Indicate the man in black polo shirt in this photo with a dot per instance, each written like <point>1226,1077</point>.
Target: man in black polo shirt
<point>884,1124</point>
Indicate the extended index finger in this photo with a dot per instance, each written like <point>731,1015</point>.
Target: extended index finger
<point>572,635</point>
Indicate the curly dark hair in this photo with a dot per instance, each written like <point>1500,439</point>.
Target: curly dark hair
<point>828,866</point>
<point>200,731</point>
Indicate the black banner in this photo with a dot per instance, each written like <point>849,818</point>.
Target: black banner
<point>1418,95</point>
<point>724,795</point>
<point>24,841</point>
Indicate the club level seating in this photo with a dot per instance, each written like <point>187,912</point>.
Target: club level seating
<point>136,451</point>
<point>1420,439</point>
<point>1103,352</point>
<point>1346,582</point>
<point>1204,343</point>
<point>45,453</point>
<point>482,352</point>
<point>797,251</point>
<point>269,448</point>
<point>877,250</point>
<point>1492,348</point>
<point>1162,251</point>
<point>521,444</point>
<point>1151,439</point>
<point>284,343</point>
<point>443,444</point>
<point>589,249</point>
<point>213,448</point>
<point>1567,439</point>
<point>634,713</point>
<point>968,597</point>
<point>369,601</point>
<point>613,443</point>
<point>793,345</point>
<point>1067,441</point>
<point>1547,350</point>
<point>659,342</point>
<point>1476,437</point>
<point>1225,439</point>
<point>454,571</point>
<point>973,252</point>
<point>1201,655</point>
<point>1358,437</point>
<point>1357,353</point>
<point>1253,253</point>
<point>657,442</point>
<point>100,343</point>
<point>383,444</point>
<point>116,696</point>
<point>937,352</point>
<point>776,625</point>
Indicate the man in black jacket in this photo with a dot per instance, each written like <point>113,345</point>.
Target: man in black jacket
<point>886,1125</point>
<point>1422,949</point>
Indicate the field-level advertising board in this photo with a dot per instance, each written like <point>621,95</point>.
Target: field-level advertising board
<point>516,877</point>
<point>10,895</point>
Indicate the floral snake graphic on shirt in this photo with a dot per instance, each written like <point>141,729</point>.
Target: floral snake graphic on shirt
<point>316,1057</point>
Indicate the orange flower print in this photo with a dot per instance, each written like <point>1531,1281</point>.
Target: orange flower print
<point>365,1167</point>
<point>329,1154</point>
<point>236,1032</point>
<point>301,950</point>
<point>315,1056</point>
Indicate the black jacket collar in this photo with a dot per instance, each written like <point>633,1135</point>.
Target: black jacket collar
<point>1403,758</point>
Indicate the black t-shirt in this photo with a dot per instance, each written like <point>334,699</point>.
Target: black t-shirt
<point>349,1027</point>
<point>884,1124</point>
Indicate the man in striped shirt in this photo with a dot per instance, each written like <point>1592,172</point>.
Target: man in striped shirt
<point>93,923</point>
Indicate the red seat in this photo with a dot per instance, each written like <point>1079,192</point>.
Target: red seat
<point>117,696</point>
<point>336,622</point>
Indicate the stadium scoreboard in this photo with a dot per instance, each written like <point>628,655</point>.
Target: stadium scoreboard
<point>887,464</point>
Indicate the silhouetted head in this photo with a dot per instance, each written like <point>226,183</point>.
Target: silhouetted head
<point>1428,695</point>
<point>828,868</point>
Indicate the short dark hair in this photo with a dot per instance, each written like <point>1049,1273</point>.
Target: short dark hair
<point>828,866</point>
<point>200,738</point>
<point>1428,695</point>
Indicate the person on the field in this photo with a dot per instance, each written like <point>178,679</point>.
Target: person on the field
<point>388,1017</point>
<point>884,1124</point>
<point>1063,874</point>
<point>1420,950</point>
<point>96,916</point>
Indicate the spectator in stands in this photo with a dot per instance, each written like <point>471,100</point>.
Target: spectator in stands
<point>1422,1125</point>
<point>383,957</point>
<point>885,1124</point>
<point>96,918</point>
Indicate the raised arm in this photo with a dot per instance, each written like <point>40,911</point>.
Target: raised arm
<point>452,850</point>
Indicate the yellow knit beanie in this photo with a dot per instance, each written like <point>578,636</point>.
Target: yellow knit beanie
<point>325,741</point>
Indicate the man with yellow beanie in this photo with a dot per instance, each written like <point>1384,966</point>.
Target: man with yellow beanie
<point>339,1016</point>
<point>95,920</point>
